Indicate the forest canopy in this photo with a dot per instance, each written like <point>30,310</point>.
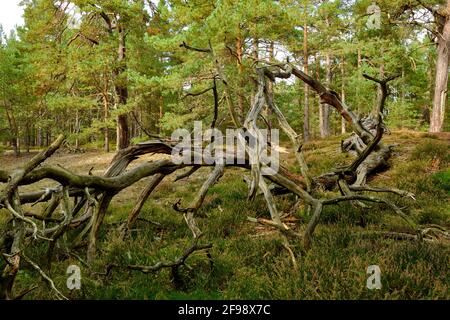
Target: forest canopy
<point>111,72</point>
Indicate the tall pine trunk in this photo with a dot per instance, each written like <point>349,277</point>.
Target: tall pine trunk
<point>161,112</point>
<point>77,129</point>
<point>105,120</point>
<point>306,134</point>
<point>343,128</point>
<point>14,129</point>
<point>441,82</point>
<point>271,57</point>
<point>27,136</point>
<point>324,110</point>
<point>123,131</point>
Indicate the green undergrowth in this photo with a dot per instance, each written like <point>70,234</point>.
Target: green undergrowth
<point>250,262</point>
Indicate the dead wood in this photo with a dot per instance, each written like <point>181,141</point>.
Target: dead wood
<point>94,193</point>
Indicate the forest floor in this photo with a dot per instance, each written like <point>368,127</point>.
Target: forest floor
<point>249,260</point>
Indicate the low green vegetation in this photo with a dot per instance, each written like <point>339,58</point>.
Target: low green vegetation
<point>249,260</point>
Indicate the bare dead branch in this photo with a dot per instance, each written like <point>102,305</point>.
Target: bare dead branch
<point>188,173</point>
<point>154,182</point>
<point>161,264</point>
<point>196,94</point>
<point>59,295</point>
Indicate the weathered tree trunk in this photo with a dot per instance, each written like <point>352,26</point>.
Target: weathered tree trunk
<point>97,220</point>
<point>306,134</point>
<point>9,273</point>
<point>441,82</point>
<point>132,217</point>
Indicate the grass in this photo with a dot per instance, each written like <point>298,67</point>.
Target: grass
<point>250,261</point>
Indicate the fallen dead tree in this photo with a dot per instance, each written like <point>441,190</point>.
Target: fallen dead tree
<point>84,199</point>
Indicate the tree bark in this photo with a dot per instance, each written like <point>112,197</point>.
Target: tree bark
<point>161,112</point>
<point>77,129</point>
<point>270,91</point>
<point>324,110</point>
<point>39,137</point>
<point>105,119</point>
<point>359,104</point>
<point>14,130</point>
<point>441,82</point>
<point>306,134</point>
<point>379,93</point>
<point>27,136</point>
<point>343,128</point>
<point>132,217</point>
<point>123,134</point>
